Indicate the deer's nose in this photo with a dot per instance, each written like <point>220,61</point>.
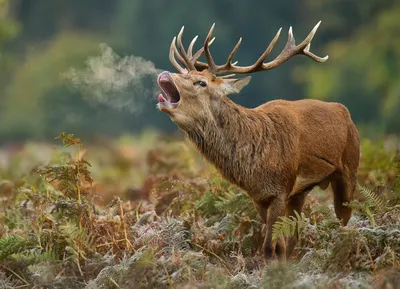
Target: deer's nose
<point>165,75</point>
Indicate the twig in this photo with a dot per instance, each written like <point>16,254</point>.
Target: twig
<point>128,243</point>
<point>20,286</point>
<point>137,210</point>
<point>170,281</point>
<point>110,243</point>
<point>78,186</point>
<point>19,277</point>
<point>370,257</point>
<point>114,282</point>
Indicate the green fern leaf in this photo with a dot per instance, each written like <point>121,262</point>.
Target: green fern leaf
<point>376,201</point>
<point>12,244</point>
<point>289,226</point>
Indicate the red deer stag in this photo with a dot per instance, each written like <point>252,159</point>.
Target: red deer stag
<point>276,152</point>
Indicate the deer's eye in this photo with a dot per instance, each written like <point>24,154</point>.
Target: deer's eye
<point>201,83</point>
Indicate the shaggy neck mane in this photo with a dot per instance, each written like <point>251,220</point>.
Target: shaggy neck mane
<point>231,138</point>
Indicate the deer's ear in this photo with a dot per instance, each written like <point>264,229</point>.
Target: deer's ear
<point>230,86</point>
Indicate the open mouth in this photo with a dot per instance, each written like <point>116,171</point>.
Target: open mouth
<point>172,97</point>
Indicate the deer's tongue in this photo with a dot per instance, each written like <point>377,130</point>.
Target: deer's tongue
<point>161,98</point>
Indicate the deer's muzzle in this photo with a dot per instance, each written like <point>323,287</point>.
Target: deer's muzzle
<point>166,83</point>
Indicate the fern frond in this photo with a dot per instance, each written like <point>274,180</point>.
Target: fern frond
<point>77,237</point>
<point>376,201</point>
<point>227,224</point>
<point>70,231</point>
<point>289,226</point>
<point>33,257</point>
<point>12,244</point>
<point>324,210</point>
<point>236,203</point>
<point>206,205</point>
<point>329,218</point>
<point>364,208</point>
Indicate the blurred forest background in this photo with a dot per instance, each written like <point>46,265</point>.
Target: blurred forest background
<point>41,39</point>
<point>134,204</point>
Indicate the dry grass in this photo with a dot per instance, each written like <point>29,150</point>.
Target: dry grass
<point>148,212</point>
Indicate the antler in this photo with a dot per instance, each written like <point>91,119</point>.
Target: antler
<point>188,60</point>
<point>290,50</point>
<point>191,61</point>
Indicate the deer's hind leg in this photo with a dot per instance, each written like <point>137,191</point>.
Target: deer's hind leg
<point>344,181</point>
<point>343,186</point>
<point>305,182</point>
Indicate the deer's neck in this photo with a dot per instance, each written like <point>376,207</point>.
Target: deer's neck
<point>230,138</point>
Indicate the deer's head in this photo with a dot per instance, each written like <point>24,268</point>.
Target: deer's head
<point>189,97</point>
<point>191,93</point>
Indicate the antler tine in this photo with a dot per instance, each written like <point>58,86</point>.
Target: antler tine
<point>185,57</point>
<point>228,76</point>
<point>286,53</point>
<point>291,49</point>
<point>201,65</point>
<point>180,58</point>
<point>200,51</point>
<point>210,60</point>
<point>190,49</point>
<point>260,60</point>
<point>310,36</point>
<point>234,50</point>
<point>172,53</point>
<point>313,56</point>
<point>258,65</point>
<point>177,55</point>
<point>307,41</point>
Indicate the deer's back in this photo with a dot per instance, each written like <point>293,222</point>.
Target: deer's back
<point>317,128</point>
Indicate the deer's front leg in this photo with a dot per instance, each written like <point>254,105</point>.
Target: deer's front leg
<point>270,211</point>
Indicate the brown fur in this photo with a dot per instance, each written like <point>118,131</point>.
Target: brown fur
<point>276,152</point>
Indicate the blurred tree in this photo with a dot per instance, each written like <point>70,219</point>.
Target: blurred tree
<point>359,37</point>
<point>40,71</point>
<point>9,29</point>
<point>364,65</point>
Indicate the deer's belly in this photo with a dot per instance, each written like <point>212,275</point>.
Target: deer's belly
<point>258,183</point>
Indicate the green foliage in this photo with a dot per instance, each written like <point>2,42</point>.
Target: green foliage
<point>372,204</point>
<point>345,79</point>
<point>378,165</point>
<point>329,219</point>
<point>373,199</point>
<point>396,185</point>
<point>12,244</point>
<point>9,28</point>
<point>40,73</point>
<point>289,226</point>
<point>185,226</point>
<point>34,256</point>
<point>68,175</point>
<point>278,276</point>
<point>230,201</point>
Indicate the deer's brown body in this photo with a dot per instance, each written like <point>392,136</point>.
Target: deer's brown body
<point>276,152</point>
